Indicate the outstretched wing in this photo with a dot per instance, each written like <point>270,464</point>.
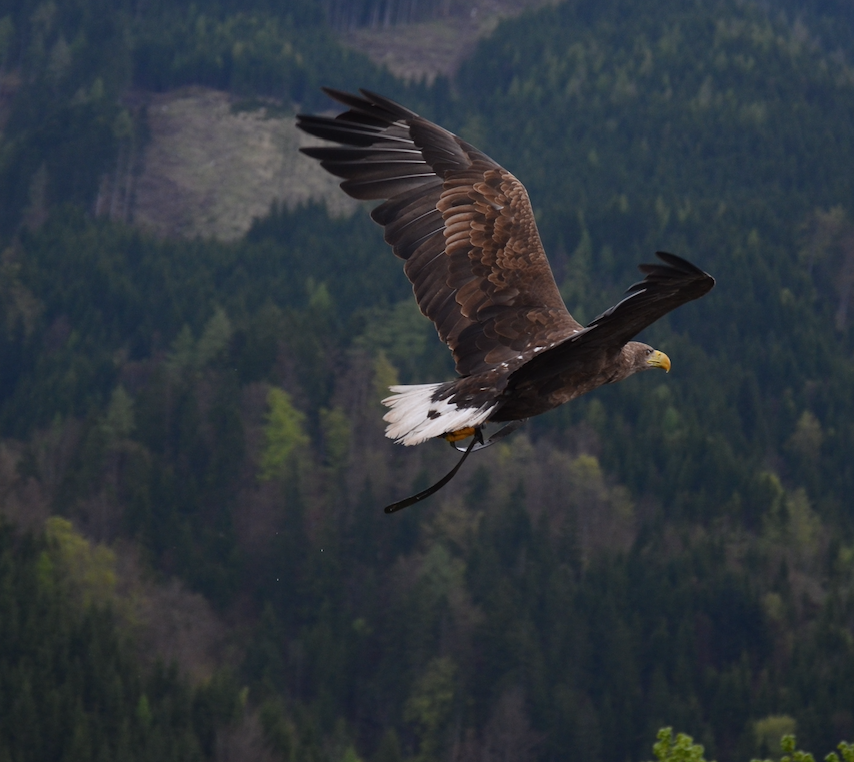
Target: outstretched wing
<point>463,224</point>
<point>665,287</point>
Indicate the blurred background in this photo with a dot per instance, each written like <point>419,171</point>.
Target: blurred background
<point>196,328</point>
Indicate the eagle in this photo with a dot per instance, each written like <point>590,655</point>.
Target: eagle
<point>466,231</point>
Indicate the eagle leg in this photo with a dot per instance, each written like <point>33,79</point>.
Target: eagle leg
<point>496,437</point>
<point>477,439</point>
<point>456,436</point>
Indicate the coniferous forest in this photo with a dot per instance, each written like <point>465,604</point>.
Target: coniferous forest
<point>194,561</point>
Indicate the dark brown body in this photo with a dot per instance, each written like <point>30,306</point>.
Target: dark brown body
<point>524,398</point>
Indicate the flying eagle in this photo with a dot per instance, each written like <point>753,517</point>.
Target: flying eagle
<point>466,231</point>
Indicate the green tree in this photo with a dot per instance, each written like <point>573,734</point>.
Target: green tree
<point>284,435</point>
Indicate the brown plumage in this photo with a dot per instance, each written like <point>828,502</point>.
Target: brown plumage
<point>465,228</point>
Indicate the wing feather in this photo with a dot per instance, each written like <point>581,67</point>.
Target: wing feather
<point>463,224</point>
<point>664,288</point>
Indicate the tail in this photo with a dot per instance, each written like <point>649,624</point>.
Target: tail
<point>416,414</point>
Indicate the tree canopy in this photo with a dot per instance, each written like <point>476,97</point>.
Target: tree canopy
<point>211,409</point>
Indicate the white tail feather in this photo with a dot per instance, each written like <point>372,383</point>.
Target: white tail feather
<point>414,417</point>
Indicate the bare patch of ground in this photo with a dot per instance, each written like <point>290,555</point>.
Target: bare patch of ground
<point>424,50</point>
<point>209,169</point>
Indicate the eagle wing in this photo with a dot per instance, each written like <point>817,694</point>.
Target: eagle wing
<point>462,223</point>
<point>665,287</point>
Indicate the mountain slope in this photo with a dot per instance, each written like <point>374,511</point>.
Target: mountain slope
<point>677,550</point>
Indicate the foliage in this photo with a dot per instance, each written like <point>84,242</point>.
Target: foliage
<point>283,433</point>
<point>90,570</point>
<point>791,753</point>
<point>673,550</point>
<point>683,749</point>
<point>253,51</point>
<point>847,751</point>
<point>679,749</point>
<point>430,704</point>
<point>71,687</point>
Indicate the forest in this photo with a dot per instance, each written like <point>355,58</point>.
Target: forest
<point>194,561</point>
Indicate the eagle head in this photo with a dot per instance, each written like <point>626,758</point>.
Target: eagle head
<point>644,357</point>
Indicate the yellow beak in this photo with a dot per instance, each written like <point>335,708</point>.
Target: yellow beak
<point>659,360</point>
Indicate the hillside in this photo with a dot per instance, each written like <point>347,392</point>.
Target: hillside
<point>192,455</point>
<point>435,46</point>
<point>212,162</point>
<point>212,165</point>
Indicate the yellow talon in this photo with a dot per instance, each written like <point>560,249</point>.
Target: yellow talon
<point>456,436</point>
